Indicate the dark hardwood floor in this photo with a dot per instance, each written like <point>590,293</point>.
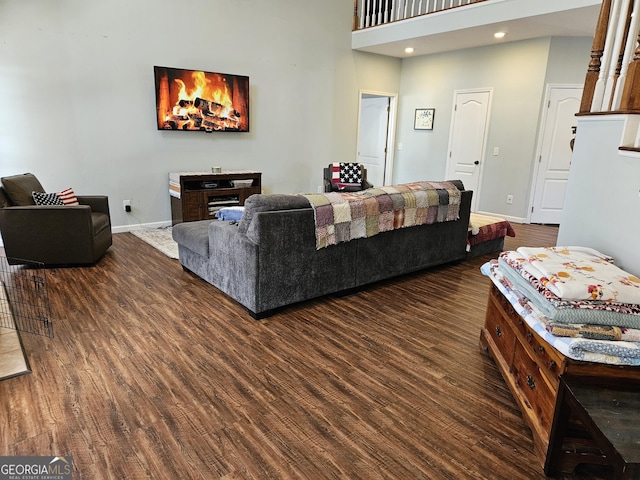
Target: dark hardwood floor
<point>153,373</point>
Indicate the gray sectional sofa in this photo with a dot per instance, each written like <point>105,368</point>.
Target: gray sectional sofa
<point>269,259</point>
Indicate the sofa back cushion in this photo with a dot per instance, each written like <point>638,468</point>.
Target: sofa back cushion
<point>19,188</point>
<point>267,203</point>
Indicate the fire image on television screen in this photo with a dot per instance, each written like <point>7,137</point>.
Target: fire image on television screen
<point>201,101</point>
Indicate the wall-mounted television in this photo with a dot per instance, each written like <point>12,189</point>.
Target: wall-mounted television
<point>201,101</point>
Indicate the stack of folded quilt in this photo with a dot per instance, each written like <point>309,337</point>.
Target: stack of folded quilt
<point>576,298</point>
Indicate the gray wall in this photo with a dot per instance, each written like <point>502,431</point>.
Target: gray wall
<point>518,73</point>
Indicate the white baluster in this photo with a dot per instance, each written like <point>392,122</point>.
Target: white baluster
<point>406,4</point>
<point>393,11</point>
<point>629,51</point>
<point>615,54</point>
<point>605,62</point>
<point>363,13</point>
<point>419,7</point>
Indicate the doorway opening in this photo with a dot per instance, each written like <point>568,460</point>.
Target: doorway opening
<point>376,135</point>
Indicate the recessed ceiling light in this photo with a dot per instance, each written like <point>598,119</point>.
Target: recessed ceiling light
<point>408,50</point>
<point>499,34</point>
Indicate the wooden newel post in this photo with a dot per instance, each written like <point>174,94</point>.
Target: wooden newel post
<point>596,54</point>
<point>355,15</point>
<point>630,100</point>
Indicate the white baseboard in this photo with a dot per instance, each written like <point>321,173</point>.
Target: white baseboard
<point>139,226</point>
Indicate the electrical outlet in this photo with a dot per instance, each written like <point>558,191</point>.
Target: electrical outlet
<point>509,199</point>
<point>496,151</point>
<point>126,204</point>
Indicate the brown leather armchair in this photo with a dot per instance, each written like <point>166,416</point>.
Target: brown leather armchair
<point>51,234</point>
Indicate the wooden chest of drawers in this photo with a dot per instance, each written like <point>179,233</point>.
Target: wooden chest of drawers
<point>531,367</point>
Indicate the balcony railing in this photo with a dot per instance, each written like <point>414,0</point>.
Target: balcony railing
<point>370,13</point>
<point>612,82</point>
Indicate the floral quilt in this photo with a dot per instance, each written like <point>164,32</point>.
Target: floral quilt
<point>565,311</point>
<point>618,352</point>
<point>580,273</point>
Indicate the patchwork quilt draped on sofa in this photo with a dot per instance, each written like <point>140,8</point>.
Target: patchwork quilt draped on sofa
<point>344,216</point>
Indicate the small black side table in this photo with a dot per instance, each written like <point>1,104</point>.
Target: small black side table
<point>596,423</point>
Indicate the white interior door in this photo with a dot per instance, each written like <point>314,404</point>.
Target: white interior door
<point>373,132</point>
<point>467,138</point>
<point>554,159</point>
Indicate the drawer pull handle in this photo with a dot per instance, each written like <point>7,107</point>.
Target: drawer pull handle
<point>541,349</point>
<point>552,364</point>
<point>498,331</point>
<point>531,382</point>
<point>520,322</point>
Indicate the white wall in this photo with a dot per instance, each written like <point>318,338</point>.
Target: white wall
<point>602,205</point>
<point>78,104</point>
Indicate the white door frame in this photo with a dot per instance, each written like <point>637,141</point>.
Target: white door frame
<point>476,193</point>
<point>541,127</point>
<point>391,130</point>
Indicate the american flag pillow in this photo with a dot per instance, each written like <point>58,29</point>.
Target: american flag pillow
<point>46,198</point>
<point>345,175</point>
<point>68,197</point>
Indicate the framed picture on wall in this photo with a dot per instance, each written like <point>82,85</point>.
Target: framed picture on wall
<point>424,119</point>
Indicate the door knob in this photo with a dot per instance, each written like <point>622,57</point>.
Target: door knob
<point>477,162</point>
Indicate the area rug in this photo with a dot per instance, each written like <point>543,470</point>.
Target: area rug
<point>160,239</point>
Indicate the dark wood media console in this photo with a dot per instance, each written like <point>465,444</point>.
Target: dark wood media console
<point>197,196</point>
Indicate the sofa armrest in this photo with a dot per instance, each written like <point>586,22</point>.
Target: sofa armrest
<point>233,261</point>
<point>50,234</point>
<point>98,203</point>
<point>31,219</point>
